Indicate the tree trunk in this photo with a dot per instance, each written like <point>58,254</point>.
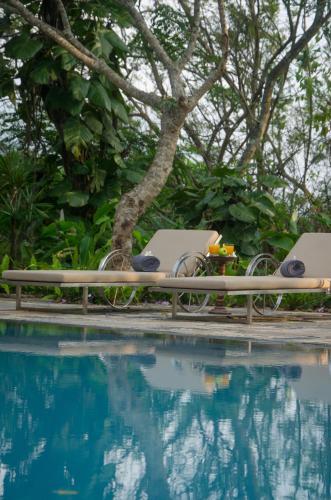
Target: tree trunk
<point>134,203</point>
<point>258,132</point>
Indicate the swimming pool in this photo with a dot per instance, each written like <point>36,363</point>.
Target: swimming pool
<point>94,415</point>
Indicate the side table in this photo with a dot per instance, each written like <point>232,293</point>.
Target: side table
<point>221,261</point>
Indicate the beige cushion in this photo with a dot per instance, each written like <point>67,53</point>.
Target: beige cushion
<point>243,283</point>
<point>168,245</point>
<point>314,249</point>
<point>68,276</point>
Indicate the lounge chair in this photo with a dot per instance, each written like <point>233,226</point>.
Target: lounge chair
<point>314,249</point>
<point>166,244</point>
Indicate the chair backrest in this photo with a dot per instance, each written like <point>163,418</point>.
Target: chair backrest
<point>169,245</point>
<point>314,249</point>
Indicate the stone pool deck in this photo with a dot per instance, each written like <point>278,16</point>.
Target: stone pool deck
<point>293,328</point>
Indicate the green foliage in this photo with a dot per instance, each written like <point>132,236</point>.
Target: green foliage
<point>172,28</point>
<point>23,47</point>
<point>77,199</point>
<point>77,114</point>
<point>99,96</point>
<point>242,212</point>
<point>250,218</point>
<point>22,205</point>
<point>76,135</point>
<point>73,244</point>
<point>4,266</point>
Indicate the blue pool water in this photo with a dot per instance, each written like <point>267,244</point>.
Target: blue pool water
<point>98,416</point>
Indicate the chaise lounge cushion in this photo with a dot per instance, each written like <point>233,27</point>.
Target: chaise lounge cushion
<point>69,276</point>
<point>227,283</point>
<point>168,245</point>
<point>314,249</point>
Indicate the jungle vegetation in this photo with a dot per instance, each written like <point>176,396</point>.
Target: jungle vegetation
<point>120,118</point>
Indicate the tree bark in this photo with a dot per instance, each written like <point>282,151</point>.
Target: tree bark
<point>135,202</point>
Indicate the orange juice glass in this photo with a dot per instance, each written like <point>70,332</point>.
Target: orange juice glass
<point>229,248</point>
<point>214,249</point>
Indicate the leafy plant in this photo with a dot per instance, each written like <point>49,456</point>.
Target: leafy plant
<point>4,266</point>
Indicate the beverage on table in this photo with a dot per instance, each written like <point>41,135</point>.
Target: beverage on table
<point>214,249</point>
<point>229,248</point>
<point>226,250</point>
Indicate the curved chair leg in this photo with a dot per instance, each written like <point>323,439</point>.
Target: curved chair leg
<point>119,297</point>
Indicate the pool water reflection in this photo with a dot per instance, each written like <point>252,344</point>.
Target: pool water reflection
<point>109,417</point>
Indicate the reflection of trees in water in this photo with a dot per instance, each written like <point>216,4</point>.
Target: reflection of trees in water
<point>131,402</point>
<point>50,403</point>
<point>98,427</point>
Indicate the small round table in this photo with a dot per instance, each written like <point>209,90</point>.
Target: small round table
<point>221,261</point>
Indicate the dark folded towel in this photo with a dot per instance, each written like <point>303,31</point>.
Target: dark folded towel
<point>292,268</point>
<point>145,263</point>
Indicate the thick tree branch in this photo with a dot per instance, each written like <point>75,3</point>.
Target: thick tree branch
<point>192,133</point>
<point>67,31</point>
<point>207,45</point>
<point>281,170</point>
<point>195,24</point>
<point>156,74</point>
<point>147,34</point>
<point>256,40</point>
<point>290,18</point>
<point>184,5</point>
<point>86,57</point>
<point>239,92</point>
<point>142,113</point>
<point>154,44</point>
<point>64,18</point>
<point>8,8</point>
<point>221,68</point>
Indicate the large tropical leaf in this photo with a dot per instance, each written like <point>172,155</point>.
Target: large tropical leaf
<point>67,60</point>
<point>23,47</point>
<point>79,87</point>
<point>268,200</point>
<point>233,181</point>
<point>98,96</point>
<point>119,161</point>
<point>102,46</point>
<point>93,123</point>
<point>272,181</point>
<point>263,208</point>
<point>206,199</point>
<point>59,98</point>
<point>76,133</point>
<point>242,212</point>
<point>119,110</point>
<point>249,248</point>
<point>76,198</point>
<point>44,72</point>
<point>282,241</point>
<point>115,40</point>
<point>134,176</point>
<point>111,137</point>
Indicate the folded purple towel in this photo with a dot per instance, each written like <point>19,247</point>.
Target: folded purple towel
<point>145,263</point>
<point>292,268</point>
